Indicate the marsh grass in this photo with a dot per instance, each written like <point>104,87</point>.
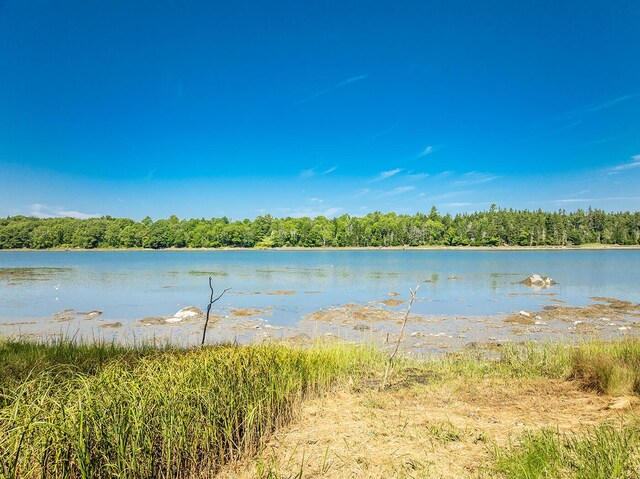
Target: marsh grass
<point>78,410</point>
<point>21,359</point>
<point>603,452</point>
<point>608,367</point>
<point>117,411</point>
<point>522,361</point>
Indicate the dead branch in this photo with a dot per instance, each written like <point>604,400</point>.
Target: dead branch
<point>395,351</point>
<point>211,301</point>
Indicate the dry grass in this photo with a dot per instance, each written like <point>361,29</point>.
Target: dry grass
<point>449,430</point>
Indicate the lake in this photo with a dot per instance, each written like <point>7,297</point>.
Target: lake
<point>127,286</point>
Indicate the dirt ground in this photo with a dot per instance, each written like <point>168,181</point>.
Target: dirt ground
<point>421,430</point>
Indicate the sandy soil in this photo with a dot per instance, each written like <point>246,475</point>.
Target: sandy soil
<point>421,430</point>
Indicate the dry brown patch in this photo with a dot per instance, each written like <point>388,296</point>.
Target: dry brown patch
<point>352,314</point>
<point>605,311</point>
<point>73,315</point>
<point>248,312</point>
<point>393,302</point>
<point>445,431</point>
<point>117,324</point>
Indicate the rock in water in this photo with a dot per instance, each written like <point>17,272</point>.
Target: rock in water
<point>538,281</point>
<point>190,312</point>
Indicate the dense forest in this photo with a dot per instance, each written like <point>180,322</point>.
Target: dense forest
<point>494,227</point>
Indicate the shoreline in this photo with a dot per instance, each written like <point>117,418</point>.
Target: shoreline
<point>343,248</point>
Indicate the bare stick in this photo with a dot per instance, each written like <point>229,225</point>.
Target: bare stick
<point>395,351</point>
<point>211,301</point>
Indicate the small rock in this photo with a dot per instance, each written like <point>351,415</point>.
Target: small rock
<point>173,319</point>
<point>538,281</point>
<point>189,312</point>
<point>524,313</point>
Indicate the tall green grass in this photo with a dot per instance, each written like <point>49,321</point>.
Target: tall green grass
<point>603,452</point>
<point>21,359</point>
<point>159,414</point>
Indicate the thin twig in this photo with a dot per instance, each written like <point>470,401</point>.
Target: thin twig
<point>211,301</point>
<point>395,351</point>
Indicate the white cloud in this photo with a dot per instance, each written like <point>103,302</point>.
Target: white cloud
<point>475,178</point>
<point>399,190</point>
<point>40,210</point>
<point>417,176</point>
<point>311,172</point>
<point>635,163</point>
<point>308,173</point>
<point>383,175</point>
<point>599,106</point>
<point>595,200</point>
<point>335,87</point>
<point>457,205</point>
<point>426,152</point>
<point>311,212</point>
<point>360,192</point>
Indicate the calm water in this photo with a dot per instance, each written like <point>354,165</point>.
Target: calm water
<point>131,285</point>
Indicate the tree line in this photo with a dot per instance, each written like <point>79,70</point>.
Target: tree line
<point>494,227</point>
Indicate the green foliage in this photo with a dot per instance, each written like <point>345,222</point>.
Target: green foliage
<point>495,227</point>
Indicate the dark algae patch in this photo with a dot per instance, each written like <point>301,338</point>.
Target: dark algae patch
<point>26,274</point>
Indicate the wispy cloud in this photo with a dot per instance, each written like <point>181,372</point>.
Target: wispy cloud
<point>557,130</point>
<point>385,131</point>
<point>399,190</point>
<point>598,106</point>
<point>426,152</point>
<point>311,172</point>
<point>40,210</point>
<point>635,163</point>
<point>594,200</point>
<point>416,176</point>
<point>475,178</point>
<point>360,192</point>
<point>343,83</point>
<point>383,175</point>
<point>310,211</point>
<point>458,204</point>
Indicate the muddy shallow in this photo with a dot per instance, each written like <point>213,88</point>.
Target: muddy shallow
<point>372,322</point>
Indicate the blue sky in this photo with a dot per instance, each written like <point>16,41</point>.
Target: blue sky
<point>205,109</point>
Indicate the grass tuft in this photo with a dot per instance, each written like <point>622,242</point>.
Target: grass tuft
<point>602,452</point>
<point>608,367</point>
